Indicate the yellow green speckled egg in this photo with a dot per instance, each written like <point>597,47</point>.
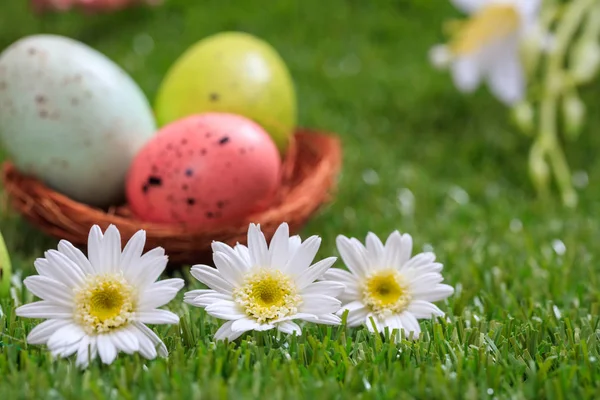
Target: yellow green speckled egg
<point>231,72</point>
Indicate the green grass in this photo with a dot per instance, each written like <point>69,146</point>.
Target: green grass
<point>418,157</point>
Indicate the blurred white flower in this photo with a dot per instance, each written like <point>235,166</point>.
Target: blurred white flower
<point>386,285</point>
<point>100,305</point>
<point>487,46</point>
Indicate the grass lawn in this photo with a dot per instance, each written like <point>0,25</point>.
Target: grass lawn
<point>418,157</point>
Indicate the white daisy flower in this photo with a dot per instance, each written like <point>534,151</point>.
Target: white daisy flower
<point>99,306</point>
<point>487,46</point>
<point>262,287</point>
<point>386,285</point>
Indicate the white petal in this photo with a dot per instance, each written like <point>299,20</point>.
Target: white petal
<point>95,248</point>
<point>419,260</point>
<point>354,255</point>
<point>154,297</point>
<point>319,304</point>
<point>207,299</point>
<point>236,257</point>
<point>86,351</point>
<point>469,6</point>
<point>294,244</point>
<point>231,272</point>
<point>158,344</point>
<point>424,309</point>
<point>146,347</point>
<point>106,349</point>
<point>466,73</point>
<point>410,324</point>
<point>279,246</point>
<point>394,322</point>
<point>259,252</point>
<point>529,10</point>
<point>397,250</point>
<point>157,317</point>
<point>341,276</point>
<point>133,251</point>
<point>315,272</point>
<point>195,293</point>
<point>356,316</point>
<point>225,309</point>
<point>373,319</point>
<point>111,245</point>
<point>375,250</point>
<point>354,305</point>
<point>505,76</point>
<point>440,292</point>
<point>245,324</point>
<point>211,278</point>
<point>63,270</point>
<point>65,336</point>
<point>175,283</point>
<point>125,340</point>
<point>148,269</point>
<point>44,309</point>
<point>225,332</point>
<point>244,254</point>
<point>48,289</point>
<point>289,328</point>
<point>303,256</point>
<point>323,319</point>
<point>330,288</point>
<point>42,332</point>
<point>75,255</point>
<point>65,351</point>
<point>423,282</point>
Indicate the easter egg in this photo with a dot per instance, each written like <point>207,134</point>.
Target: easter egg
<point>235,73</point>
<point>204,170</point>
<point>71,117</point>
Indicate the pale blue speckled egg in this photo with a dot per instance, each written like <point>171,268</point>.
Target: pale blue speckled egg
<point>71,117</point>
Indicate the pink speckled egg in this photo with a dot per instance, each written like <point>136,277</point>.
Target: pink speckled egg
<point>205,169</point>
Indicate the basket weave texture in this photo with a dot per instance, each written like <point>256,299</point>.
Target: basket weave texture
<point>309,178</point>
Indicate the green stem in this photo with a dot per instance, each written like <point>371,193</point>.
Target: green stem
<point>548,134</point>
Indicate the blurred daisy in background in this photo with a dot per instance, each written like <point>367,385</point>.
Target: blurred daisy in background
<point>386,287</point>
<point>100,305</point>
<point>262,287</point>
<point>486,47</point>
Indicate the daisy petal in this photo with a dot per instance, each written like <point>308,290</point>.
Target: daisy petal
<point>259,252</point>
<point>339,275</point>
<point>42,332</point>
<point>410,325</point>
<point>315,272</point>
<point>146,347</point>
<point>148,269</point>
<point>225,332</point>
<point>353,255</point>
<point>44,309</point>
<point>157,317</point>
<point>279,246</point>
<point>245,324</point>
<point>106,349</point>
<point>63,269</point>
<point>319,304</point>
<point>95,249</point>
<point>125,341</point>
<point>289,328</point>
<point>85,352</point>
<point>111,248</point>
<point>154,297</point>
<point>423,282</point>
<point>303,257</point>
<point>48,289</point>
<point>228,269</point>
<point>156,342</point>
<point>440,292</point>
<point>330,288</point>
<point>466,74</point>
<point>379,324</point>
<point>323,319</point>
<point>419,260</point>
<point>356,317</point>
<point>75,255</point>
<point>133,251</point>
<point>65,336</point>
<point>207,299</point>
<point>294,244</point>
<point>225,309</point>
<point>211,278</point>
<point>506,78</point>
<point>236,257</point>
<point>375,249</point>
<point>424,309</point>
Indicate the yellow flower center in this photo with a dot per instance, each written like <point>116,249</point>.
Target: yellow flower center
<point>267,295</point>
<point>385,292</point>
<point>104,303</point>
<point>493,22</point>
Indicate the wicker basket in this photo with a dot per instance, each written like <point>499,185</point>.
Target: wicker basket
<point>310,173</point>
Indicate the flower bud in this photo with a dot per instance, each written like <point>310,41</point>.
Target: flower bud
<point>573,115</point>
<point>539,171</point>
<point>5,269</point>
<point>522,115</point>
<point>585,60</point>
